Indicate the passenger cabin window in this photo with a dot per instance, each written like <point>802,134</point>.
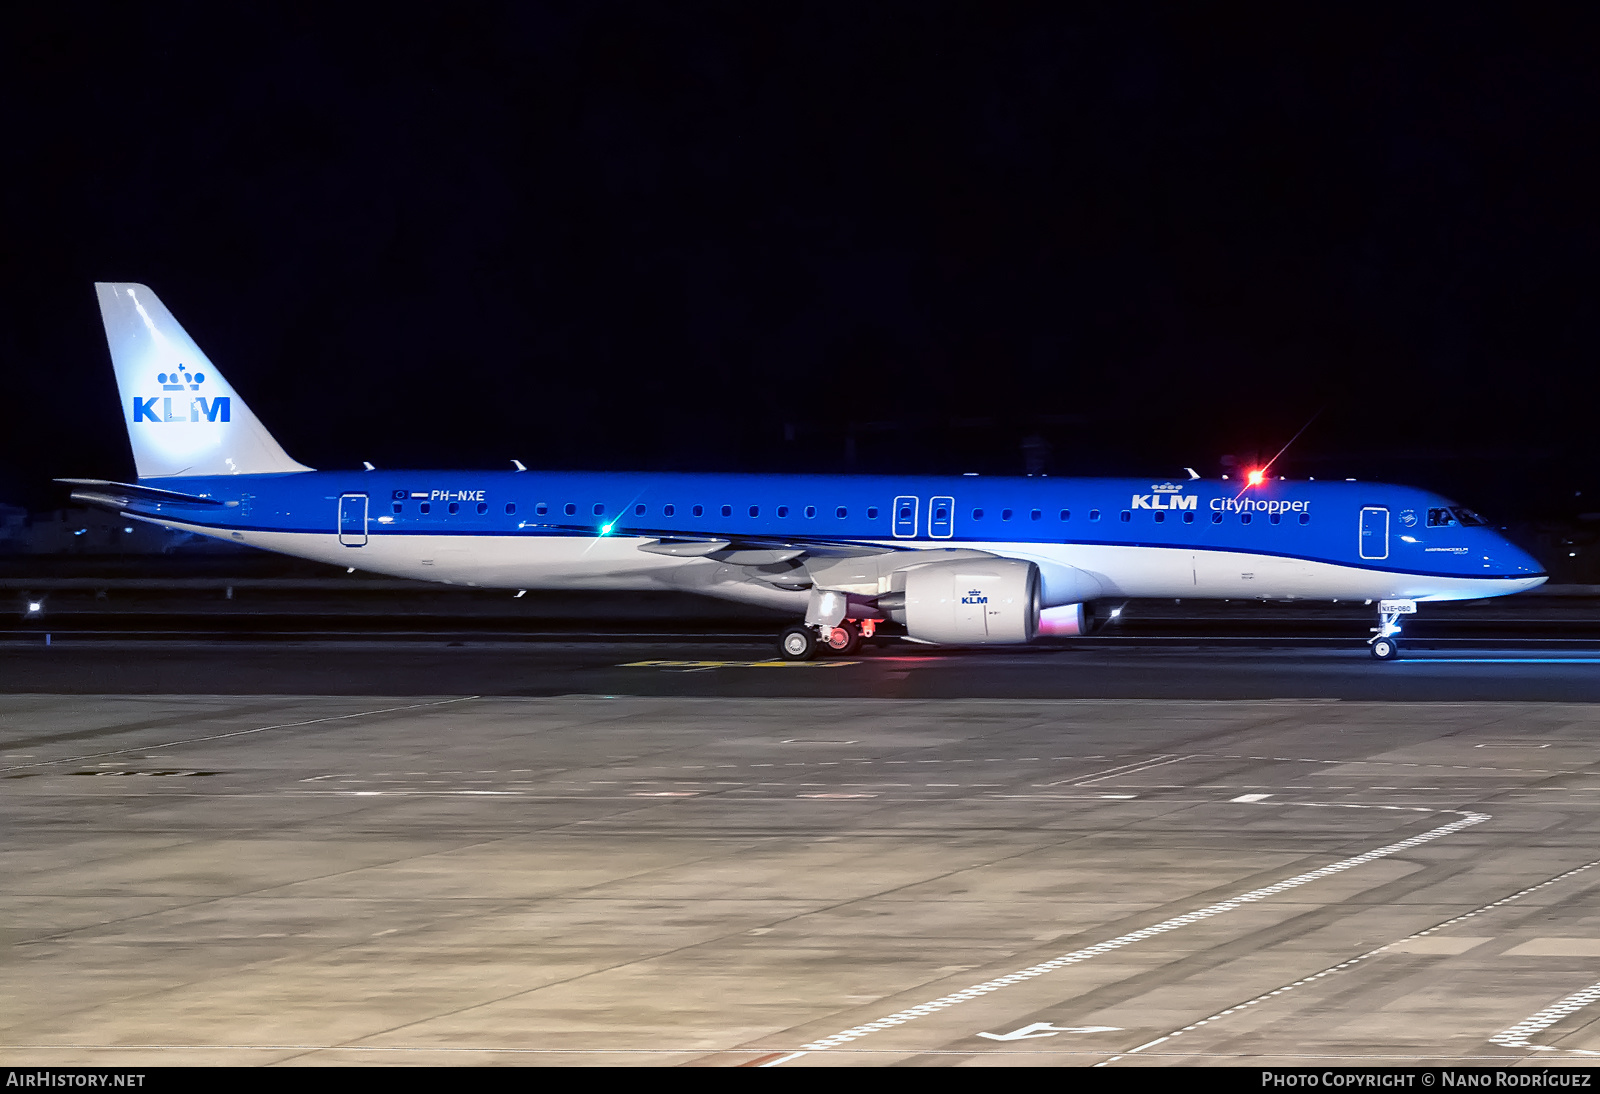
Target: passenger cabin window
<point>1244,518</point>
<point>398,508</point>
<point>1005,514</point>
<point>783,510</point>
<point>1066,514</point>
<point>1035,515</point>
<point>872,512</point>
<point>542,508</point>
<point>570,509</point>
<point>755,510</point>
<point>1276,518</point>
<point>1161,518</point>
<point>1127,515</point>
<point>727,510</point>
<point>599,509</point>
<point>1094,514</point>
<point>840,512</point>
<point>668,510</point>
<point>1216,518</point>
<point>699,510</point>
<point>483,507</point>
<point>455,507</point>
<point>977,514</point>
<point>511,508</point>
<point>1305,518</point>
<point>811,510</point>
<point>1188,518</point>
<point>425,508</point>
<point>638,510</point>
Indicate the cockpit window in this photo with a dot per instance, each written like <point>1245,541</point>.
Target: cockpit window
<point>1440,518</point>
<point>1468,517</point>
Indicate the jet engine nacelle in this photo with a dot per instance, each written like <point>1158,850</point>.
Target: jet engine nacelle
<point>971,601</point>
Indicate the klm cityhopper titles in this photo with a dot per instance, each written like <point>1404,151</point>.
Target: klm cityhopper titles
<point>940,560</point>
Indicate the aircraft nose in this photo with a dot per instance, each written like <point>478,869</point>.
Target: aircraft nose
<point>1513,560</point>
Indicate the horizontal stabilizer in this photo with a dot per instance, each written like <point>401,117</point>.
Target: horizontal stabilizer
<point>120,495</point>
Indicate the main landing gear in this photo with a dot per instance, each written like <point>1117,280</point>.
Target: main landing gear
<point>1385,646</point>
<point>802,642</point>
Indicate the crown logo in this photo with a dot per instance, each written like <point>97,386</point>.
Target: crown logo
<point>1166,488</point>
<point>974,592</point>
<point>177,381</point>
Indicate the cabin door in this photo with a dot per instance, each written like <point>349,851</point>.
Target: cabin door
<point>353,520</point>
<point>1374,532</point>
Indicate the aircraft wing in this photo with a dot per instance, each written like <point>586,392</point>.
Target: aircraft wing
<point>796,563</point>
<point>730,547</point>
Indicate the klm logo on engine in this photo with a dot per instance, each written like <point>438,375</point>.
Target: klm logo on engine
<point>1165,495</point>
<point>159,408</point>
<point>975,596</point>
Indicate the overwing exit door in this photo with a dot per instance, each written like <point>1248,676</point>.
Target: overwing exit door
<point>905,517</point>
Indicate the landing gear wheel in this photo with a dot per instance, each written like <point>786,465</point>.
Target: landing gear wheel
<point>845,638</point>
<point>1386,649</point>
<point>797,643</point>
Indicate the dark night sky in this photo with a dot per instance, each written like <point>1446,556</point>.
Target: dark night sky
<point>664,236</point>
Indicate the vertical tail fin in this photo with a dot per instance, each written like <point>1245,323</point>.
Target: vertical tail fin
<point>183,418</point>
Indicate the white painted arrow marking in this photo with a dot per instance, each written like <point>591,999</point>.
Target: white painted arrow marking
<point>1045,1029</point>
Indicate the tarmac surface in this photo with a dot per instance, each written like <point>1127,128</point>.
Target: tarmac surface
<point>246,851</point>
<point>417,664</point>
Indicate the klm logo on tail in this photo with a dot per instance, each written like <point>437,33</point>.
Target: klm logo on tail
<point>176,381</point>
<point>200,408</point>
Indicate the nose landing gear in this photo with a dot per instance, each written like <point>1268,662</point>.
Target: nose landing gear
<point>1385,646</point>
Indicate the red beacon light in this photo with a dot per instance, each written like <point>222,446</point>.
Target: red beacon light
<point>1255,478</point>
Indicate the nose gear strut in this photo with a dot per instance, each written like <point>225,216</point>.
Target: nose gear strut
<point>1385,646</point>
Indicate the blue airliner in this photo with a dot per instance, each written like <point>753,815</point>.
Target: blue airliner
<point>963,561</point>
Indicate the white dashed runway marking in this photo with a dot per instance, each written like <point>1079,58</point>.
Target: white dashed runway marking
<point>1517,1036</point>
<point>239,733</point>
<point>1390,947</point>
<point>977,991</point>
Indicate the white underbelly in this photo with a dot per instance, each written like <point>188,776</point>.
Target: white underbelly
<point>1071,573</point>
<point>1162,572</point>
<point>600,563</point>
